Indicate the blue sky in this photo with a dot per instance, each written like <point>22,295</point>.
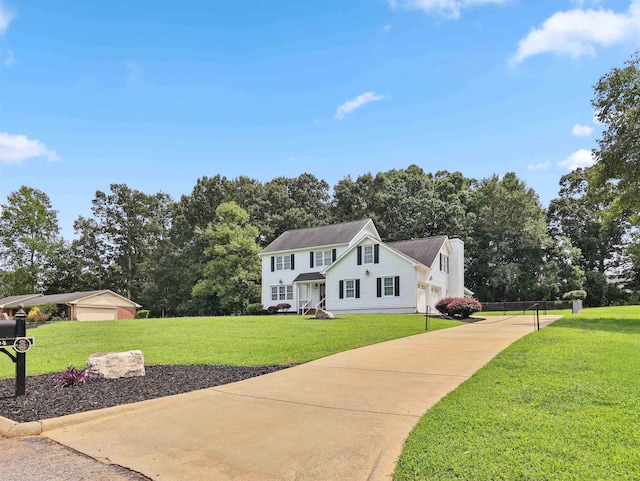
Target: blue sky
<point>158,94</point>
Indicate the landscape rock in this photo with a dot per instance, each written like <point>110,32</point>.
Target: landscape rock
<point>114,365</point>
<point>322,314</point>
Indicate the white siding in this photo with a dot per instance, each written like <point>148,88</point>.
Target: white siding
<point>302,265</point>
<point>437,283</point>
<point>391,265</point>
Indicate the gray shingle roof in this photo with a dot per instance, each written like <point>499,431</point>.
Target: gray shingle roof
<point>317,236</point>
<point>37,299</point>
<point>421,250</point>
<point>309,276</point>
<point>5,301</point>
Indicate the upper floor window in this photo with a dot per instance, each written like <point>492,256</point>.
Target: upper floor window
<point>444,263</point>
<point>369,254</point>
<point>282,263</point>
<point>323,258</point>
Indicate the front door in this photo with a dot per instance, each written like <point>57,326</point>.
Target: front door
<point>322,296</point>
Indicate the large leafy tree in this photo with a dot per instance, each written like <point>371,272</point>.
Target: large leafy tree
<point>406,203</point>
<point>352,199</point>
<point>574,221</point>
<point>129,225</point>
<point>508,252</point>
<point>29,236</point>
<point>233,271</point>
<point>617,106</point>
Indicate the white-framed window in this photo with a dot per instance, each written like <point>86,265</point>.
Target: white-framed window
<point>350,289</point>
<point>367,258</point>
<point>283,263</point>
<point>323,258</point>
<point>388,286</point>
<point>444,263</point>
<point>282,293</point>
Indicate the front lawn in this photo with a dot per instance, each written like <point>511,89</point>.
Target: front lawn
<point>248,341</point>
<point>559,404</point>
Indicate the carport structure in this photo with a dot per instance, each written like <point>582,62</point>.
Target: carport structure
<point>102,305</point>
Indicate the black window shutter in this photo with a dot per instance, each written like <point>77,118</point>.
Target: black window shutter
<point>333,255</point>
<point>341,290</point>
<point>292,264</point>
<point>310,259</point>
<point>357,288</point>
<point>359,255</point>
<point>376,254</point>
<point>379,287</point>
<point>397,286</point>
<point>273,263</point>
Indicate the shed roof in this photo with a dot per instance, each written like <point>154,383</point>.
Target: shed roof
<point>326,235</point>
<point>422,250</point>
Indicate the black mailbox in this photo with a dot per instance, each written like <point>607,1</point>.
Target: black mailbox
<point>8,329</point>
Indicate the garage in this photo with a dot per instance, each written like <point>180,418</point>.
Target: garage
<point>91,313</point>
<point>103,305</point>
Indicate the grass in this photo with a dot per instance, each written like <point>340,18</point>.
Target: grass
<point>250,340</point>
<point>559,404</point>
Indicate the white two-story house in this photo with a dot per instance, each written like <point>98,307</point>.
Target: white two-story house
<point>346,268</point>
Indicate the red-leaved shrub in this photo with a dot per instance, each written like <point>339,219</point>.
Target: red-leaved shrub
<point>461,307</point>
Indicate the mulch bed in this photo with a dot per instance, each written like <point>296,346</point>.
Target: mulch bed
<point>43,400</point>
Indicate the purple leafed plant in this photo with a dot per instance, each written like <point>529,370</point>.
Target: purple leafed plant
<point>70,377</point>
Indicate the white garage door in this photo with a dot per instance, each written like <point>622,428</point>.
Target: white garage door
<point>97,313</point>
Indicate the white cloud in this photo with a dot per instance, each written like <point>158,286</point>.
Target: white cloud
<point>386,27</point>
<point>539,166</point>
<point>581,130</point>
<point>580,158</point>
<point>578,32</point>
<point>446,8</point>
<point>14,149</point>
<point>5,18</point>
<point>351,105</point>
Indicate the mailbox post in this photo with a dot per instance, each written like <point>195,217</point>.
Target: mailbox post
<point>13,334</point>
<point>21,361</point>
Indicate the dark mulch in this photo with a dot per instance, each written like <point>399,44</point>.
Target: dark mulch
<point>43,400</point>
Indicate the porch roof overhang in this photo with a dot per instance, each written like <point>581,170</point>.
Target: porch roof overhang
<point>309,277</point>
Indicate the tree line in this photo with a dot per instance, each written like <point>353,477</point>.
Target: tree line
<point>198,255</point>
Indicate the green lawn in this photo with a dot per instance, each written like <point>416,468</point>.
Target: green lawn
<point>250,340</point>
<point>559,404</point>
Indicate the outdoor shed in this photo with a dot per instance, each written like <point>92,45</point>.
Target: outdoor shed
<point>103,305</point>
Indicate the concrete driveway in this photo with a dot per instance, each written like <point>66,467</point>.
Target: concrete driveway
<point>343,417</point>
